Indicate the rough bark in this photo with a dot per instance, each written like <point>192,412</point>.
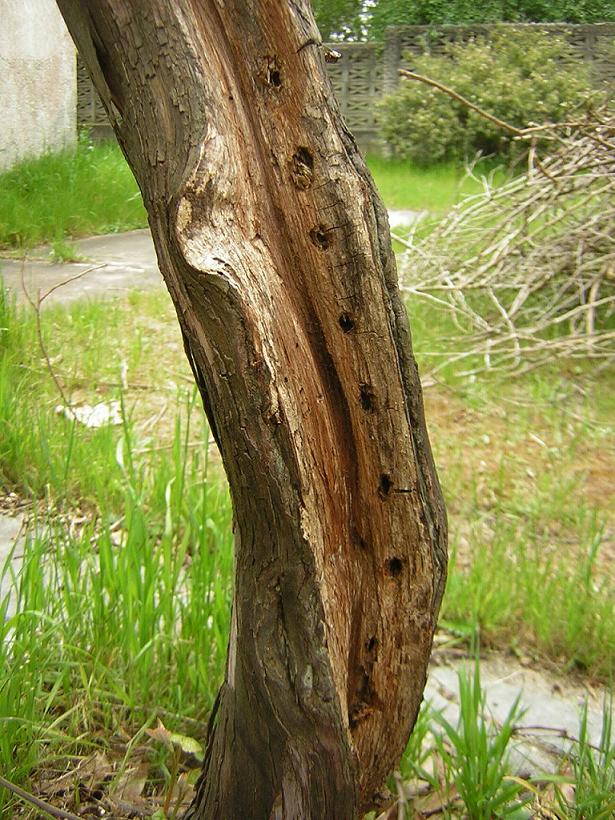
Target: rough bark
<point>275,249</point>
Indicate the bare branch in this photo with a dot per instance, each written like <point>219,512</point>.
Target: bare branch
<point>36,801</point>
<point>412,75</point>
<point>526,271</point>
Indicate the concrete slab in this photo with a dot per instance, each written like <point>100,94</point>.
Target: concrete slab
<point>122,261</point>
<point>11,550</point>
<point>551,707</point>
<point>116,264</point>
<point>134,248</point>
<point>405,219</point>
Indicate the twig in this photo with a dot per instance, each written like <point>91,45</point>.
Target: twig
<point>35,801</point>
<point>36,306</point>
<point>67,282</point>
<point>552,730</point>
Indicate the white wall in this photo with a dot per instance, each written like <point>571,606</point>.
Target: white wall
<point>37,80</point>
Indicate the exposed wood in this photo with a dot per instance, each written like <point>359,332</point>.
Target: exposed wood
<point>275,248</point>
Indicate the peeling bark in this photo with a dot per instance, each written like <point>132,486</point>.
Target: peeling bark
<point>275,249</point>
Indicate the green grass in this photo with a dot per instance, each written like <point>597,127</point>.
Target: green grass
<point>520,593</point>
<point>63,251</point>
<point>436,189</point>
<point>120,622</point>
<point>123,605</point>
<point>593,771</point>
<point>68,194</point>
<point>526,466</point>
<point>475,754</point>
<point>465,769</point>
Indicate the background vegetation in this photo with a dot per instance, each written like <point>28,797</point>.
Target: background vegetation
<point>71,193</point>
<point>368,19</point>
<point>58,198</point>
<point>532,77</point>
<point>121,611</point>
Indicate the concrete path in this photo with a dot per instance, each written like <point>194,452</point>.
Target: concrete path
<point>551,706</point>
<point>11,551</point>
<point>405,219</point>
<point>122,262</point>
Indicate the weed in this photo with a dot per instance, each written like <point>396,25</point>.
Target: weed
<point>435,189</point>
<point>123,603</point>
<point>475,753</point>
<point>123,617</point>
<point>63,251</point>
<point>526,466</point>
<point>419,749</point>
<point>528,504</point>
<point>593,772</point>
<point>517,568</point>
<point>92,191</point>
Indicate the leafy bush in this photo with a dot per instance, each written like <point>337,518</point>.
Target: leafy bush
<point>520,77</point>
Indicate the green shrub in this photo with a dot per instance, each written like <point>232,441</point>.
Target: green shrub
<point>520,77</point>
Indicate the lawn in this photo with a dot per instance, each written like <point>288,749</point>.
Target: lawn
<point>434,189</point>
<point>68,195</point>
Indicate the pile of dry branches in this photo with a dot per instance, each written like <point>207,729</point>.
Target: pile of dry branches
<point>526,271</point>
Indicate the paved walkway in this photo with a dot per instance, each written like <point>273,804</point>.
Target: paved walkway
<point>550,707</point>
<point>11,550</point>
<point>122,262</point>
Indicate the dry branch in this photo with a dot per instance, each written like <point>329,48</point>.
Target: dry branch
<point>526,271</point>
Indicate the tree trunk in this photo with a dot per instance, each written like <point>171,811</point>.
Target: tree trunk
<point>276,252</point>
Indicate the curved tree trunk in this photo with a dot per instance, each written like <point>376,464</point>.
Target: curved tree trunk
<point>275,248</point>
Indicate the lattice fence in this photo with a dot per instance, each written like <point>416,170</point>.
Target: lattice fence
<point>91,114</point>
<point>367,71</point>
<point>593,43</point>
<point>357,79</point>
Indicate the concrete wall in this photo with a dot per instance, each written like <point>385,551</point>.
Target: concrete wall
<point>38,94</point>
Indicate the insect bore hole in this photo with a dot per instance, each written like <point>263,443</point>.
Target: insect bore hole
<point>368,398</point>
<point>273,74</point>
<point>346,322</point>
<point>394,567</point>
<point>320,237</point>
<point>357,540</point>
<point>384,488</point>
<point>303,156</point>
<point>302,171</point>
